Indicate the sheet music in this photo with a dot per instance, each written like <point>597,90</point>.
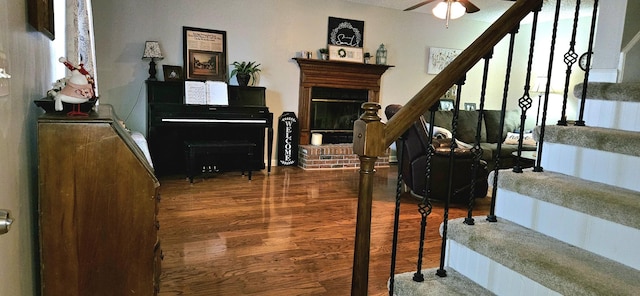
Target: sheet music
<point>217,93</point>
<point>195,93</point>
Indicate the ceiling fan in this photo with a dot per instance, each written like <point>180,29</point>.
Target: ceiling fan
<point>449,9</point>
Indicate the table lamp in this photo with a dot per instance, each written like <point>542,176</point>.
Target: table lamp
<point>152,51</point>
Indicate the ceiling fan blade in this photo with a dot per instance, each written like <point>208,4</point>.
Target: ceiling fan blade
<point>419,5</point>
<point>469,6</point>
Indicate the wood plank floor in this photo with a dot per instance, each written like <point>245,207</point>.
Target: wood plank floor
<point>287,233</point>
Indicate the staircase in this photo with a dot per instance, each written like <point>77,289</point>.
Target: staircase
<point>573,229</point>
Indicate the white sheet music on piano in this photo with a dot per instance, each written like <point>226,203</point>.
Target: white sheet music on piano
<point>195,93</point>
<point>217,93</point>
<point>206,93</point>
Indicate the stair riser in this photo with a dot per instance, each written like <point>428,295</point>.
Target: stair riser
<point>611,240</point>
<point>598,166</point>
<point>491,275</point>
<point>613,114</point>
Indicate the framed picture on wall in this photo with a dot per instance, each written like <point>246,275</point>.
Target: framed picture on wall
<point>205,54</point>
<point>345,32</point>
<point>439,58</point>
<point>40,16</point>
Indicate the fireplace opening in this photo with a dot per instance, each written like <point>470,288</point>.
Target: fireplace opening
<point>333,112</point>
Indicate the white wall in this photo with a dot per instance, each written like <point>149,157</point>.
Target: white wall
<point>29,63</point>
<point>270,32</point>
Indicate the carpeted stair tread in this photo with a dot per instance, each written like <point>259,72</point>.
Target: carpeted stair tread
<point>604,201</point>
<point>626,92</point>
<point>558,266</point>
<point>611,140</point>
<point>453,284</point>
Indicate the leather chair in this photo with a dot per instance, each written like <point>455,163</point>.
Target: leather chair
<point>413,160</point>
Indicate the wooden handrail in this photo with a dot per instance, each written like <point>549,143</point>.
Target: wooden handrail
<point>371,136</point>
<point>432,92</point>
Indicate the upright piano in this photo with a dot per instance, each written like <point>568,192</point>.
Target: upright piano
<point>171,123</point>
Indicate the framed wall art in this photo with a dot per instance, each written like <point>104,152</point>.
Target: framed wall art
<point>40,16</point>
<point>439,58</point>
<point>205,54</point>
<point>345,32</point>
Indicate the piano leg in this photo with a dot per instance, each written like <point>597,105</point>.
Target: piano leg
<point>269,148</point>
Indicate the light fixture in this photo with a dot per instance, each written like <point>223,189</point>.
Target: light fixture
<point>152,51</point>
<point>449,10</point>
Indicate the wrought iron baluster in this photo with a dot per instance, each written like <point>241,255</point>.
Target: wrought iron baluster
<point>425,207</point>
<point>396,220</point>
<point>492,211</point>
<point>554,36</point>
<point>525,101</point>
<point>441,272</point>
<point>476,149</point>
<point>594,16</point>
<point>570,58</point>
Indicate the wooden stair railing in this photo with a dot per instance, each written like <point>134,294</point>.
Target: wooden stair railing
<point>371,137</point>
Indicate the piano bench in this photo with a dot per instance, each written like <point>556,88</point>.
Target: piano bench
<point>218,156</point>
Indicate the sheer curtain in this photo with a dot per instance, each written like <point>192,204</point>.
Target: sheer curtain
<point>80,38</point>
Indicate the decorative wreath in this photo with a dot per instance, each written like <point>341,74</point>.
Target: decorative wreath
<point>342,53</point>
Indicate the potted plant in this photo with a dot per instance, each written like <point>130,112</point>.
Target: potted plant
<point>324,53</point>
<point>245,71</point>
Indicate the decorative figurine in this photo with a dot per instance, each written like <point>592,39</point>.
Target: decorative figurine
<point>78,89</point>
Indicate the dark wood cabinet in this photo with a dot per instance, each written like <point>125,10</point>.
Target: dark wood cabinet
<point>97,208</point>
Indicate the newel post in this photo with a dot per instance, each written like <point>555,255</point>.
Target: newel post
<point>368,143</point>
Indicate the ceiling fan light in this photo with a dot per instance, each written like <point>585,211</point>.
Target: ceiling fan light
<point>457,10</point>
<point>440,11</point>
<point>454,8</point>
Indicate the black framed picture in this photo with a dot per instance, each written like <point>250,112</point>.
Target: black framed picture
<point>470,106</point>
<point>345,32</point>
<point>205,54</point>
<point>446,105</point>
<point>172,73</point>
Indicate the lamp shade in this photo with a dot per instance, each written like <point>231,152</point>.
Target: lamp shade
<point>451,7</point>
<point>152,50</point>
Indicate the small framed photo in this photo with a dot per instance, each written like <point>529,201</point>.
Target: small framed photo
<point>205,54</point>
<point>172,73</point>
<point>470,106</point>
<point>345,53</point>
<point>446,105</point>
<point>40,16</point>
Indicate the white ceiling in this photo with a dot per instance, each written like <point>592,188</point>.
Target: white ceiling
<point>490,10</point>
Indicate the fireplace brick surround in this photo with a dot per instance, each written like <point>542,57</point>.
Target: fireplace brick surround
<point>333,156</point>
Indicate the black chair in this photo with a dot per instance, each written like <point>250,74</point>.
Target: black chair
<point>412,155</point>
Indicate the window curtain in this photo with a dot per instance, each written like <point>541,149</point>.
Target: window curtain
<point>80,37</point>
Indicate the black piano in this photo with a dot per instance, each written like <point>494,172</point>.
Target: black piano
<point>171,125</point>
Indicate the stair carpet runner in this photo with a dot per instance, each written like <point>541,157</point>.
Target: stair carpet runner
<point>573,229</point>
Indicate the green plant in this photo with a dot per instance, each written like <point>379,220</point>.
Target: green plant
<point>245,68</point>
<point>323,50</point>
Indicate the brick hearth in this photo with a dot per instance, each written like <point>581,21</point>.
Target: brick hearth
<point>333,156</point>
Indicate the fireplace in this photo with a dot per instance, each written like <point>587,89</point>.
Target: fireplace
<point>333,112</point>
<point>331,94</point>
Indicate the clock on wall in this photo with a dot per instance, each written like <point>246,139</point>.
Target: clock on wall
<point>582,62</point>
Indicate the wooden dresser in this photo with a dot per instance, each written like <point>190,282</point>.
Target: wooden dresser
<point>97,208</point>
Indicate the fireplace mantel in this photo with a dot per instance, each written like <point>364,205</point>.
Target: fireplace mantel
<point>347,75</point>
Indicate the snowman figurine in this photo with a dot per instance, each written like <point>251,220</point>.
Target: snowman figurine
<point>77,90</point>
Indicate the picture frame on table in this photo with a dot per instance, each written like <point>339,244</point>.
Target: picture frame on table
<point>446,105</point>
<point>40,16</point>
<point>205,54</point>
<point>172,73</point>
<point>470,106</point>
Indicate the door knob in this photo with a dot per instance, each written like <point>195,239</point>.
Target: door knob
<point>5,221</point>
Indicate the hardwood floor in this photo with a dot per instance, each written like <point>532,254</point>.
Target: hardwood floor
<point>288,233</point>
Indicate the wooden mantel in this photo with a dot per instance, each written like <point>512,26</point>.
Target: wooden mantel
<point>347,75</point>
